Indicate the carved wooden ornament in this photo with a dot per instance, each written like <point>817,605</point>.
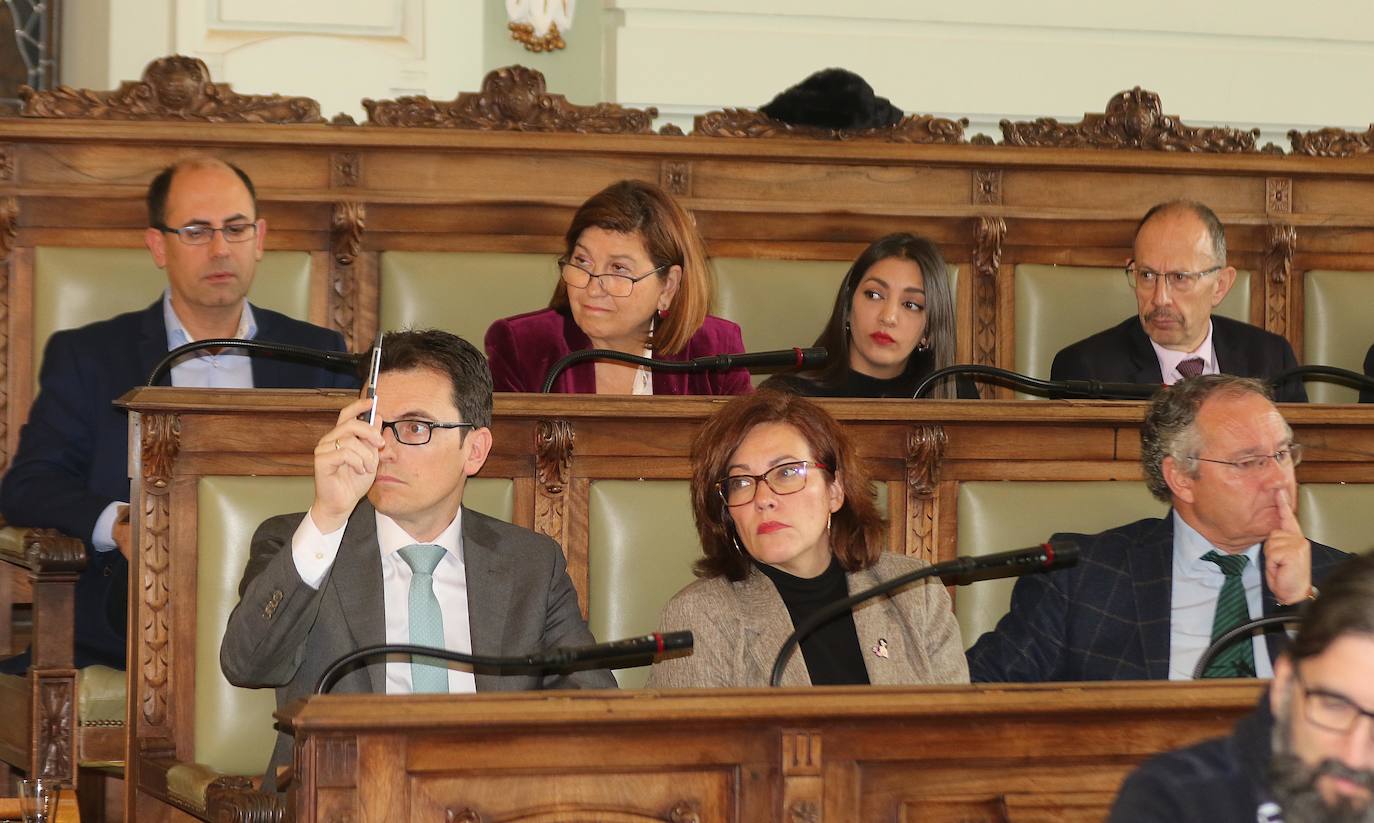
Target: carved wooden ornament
<point>160,442</point>
<point>1277,268</point>
<point>1332,142</point>
<point>553,448</point>
<point>513,98</point>
<point>1134,120</point>
<point>345,243</point>
<point>914,128</point>
<point>925,452</point>
<point>172,88</point>
<point>987,259</point>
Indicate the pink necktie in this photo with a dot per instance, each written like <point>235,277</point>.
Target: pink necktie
<point>1191,367</point>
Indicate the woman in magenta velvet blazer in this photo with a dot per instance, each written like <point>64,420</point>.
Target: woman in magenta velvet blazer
<point>634,279</point>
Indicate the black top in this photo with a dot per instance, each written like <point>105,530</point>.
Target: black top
<point>858,384</point>
<point>831,652</point>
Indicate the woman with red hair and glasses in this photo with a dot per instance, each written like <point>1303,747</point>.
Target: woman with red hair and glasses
<point>633,278</point>
<point>788,523</point>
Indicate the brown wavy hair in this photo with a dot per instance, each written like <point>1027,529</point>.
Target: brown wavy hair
<point>670,236</point>
<point>857,530</point>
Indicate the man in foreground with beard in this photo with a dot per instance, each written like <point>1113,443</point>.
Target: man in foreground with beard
<point>1179,274</point>
<point>1307,751</point>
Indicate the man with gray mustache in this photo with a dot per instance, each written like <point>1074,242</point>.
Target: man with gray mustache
<point>1307,751</point>
<point>1179,274</point>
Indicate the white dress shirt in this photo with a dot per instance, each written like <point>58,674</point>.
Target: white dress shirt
<point>1169,359</point>
<point>314,554</point>
<point>1196,587</point>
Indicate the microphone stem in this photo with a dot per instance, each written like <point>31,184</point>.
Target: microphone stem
<point>576,357</point>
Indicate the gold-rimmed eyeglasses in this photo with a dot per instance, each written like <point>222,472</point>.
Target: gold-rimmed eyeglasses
<point>1144,278</point>
<point>617,283</point>
<point>1290,455</point>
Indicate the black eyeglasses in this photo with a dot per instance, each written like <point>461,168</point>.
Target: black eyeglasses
<point>784,478</point>
<point>418,432</point>
<point>579,275</point>
<point>1290,455</point>
<point>1329,710</point>
<point>198,235</point>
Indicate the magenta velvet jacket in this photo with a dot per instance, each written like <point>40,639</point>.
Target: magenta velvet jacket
<point>522,348</point>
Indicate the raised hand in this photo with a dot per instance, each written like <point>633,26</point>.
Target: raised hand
<point>345,466</point>
<point>1287,555</point>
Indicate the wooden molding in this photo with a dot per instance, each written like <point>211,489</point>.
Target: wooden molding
<point>553,449</point>
<point>1332,142</point>
<point>1277,270</point>
<point>513,98</point>
<point>1133,120</point>
<point>925,450</point>
<point>55,724</point>
<point>345,243</point>
<point>172,88</point>
<point>987,260</point>
<point>161,436</point>
<point>914,128</point>
<point>7,170</point>
<point>9,225</point>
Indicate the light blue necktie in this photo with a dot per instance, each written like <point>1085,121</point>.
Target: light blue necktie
<point>427,674</point>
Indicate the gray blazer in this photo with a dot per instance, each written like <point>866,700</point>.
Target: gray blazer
<point>283,633</point>
<point>739,627</point>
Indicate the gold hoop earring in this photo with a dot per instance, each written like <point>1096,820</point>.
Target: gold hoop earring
<point>734,537</point>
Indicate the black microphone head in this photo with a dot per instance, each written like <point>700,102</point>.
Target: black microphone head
<point>669,641</point>
<point>813,357</point>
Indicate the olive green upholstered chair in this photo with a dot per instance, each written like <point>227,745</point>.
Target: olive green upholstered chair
<point>1336,327</point>
<point>1060,305</point>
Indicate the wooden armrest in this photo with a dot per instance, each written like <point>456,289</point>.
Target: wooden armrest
<point>43,552</point>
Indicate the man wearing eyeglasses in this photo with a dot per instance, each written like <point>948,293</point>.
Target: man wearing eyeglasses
<point>387,552</point>
<point>1179,275</point>
<point>1147,598</point>
<point>70,471</point>
<point>1307,751</point>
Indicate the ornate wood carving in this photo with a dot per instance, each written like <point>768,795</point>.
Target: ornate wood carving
<point>684,811</point>
<point>925,450</point>
<point>345,243</point>
<point>9,225</point>
<point>914,128</point>
<point>987,186</point>
<point>553,448</point>
<point>49,550</point>
<point>987,259</point>
<point>676,177</point>
<point>465,815</point>
<point>235,800</point>
<point>55,725</point>
<point>512,99</point>
<point>1332,142</point>
<point>1277,269</point>
<point>6,162</point>
<point>172,88</point>
<point>801,775</point>
<point>345,169</point>
<point>804,811</point>
<point>1278,195</point>
<point>337,763</point>
<point>1134,120</point>
<point>161,438</point>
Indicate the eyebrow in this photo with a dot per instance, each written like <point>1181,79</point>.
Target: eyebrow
<point>885,284</point>
<point>777,461</point>
<point>233,218</point>
<point>585,253</point>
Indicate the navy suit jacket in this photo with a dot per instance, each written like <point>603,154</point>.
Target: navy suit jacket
<point>73,457</point>
<point>521,349</point>
<point>1106,618</point>
<point>1123,354</point>
<point>1367,395</point>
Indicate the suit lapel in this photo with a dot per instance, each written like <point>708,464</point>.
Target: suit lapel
<point>1144,362</point>
<point>876,621</point>
<point>1150,569</point>
<point>489,592</point>
<point>268,372</point>
<point>152,344</point>
<point>1229,357</point>
<point>766,625</point>
<point>357,579</point>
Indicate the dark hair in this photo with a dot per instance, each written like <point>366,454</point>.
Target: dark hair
<point>1345,606</point>
<point>671,239</point>
<point>856,531</point>
<point>162,184</point>
<point>1216,234</point>
<point>448,354</point>
<point>939,334</point>
<point>1170,427</point>
<point>833,99</point>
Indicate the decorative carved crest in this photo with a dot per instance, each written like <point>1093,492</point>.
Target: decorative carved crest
<point>1332,142</point>
<point>987,259</point>
<point>172,88</point>
<point>345,169</point>
<point>675,176</point>
<point>49,550</point>
<point>987,186</point>
<point>346,232</point>
<point>161,439</point>
<point>512,99</point>
<point>1278,195</point>
<point>56,726</point>
<point>914,128</point>
<point>1277,270</point>
<point>345,243</point>
<point>553,449</point>
<point>925,450</point>
<point>6,162</point>
<point>1134,120</point>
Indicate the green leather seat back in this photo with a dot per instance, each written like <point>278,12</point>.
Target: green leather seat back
<point>233,726</point>
<point>73,287</point>
<point>641,547</point>
<point>1336,327</point>
<point>461,292</point>
<point>1001,516</point>
<point>1060,305</point>
<point>1338,514</point>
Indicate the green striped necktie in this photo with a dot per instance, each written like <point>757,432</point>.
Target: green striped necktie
<point>1237,659</point>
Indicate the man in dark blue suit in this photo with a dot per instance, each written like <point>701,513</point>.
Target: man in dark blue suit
<point>1147,598</point>
<point>70,471</point>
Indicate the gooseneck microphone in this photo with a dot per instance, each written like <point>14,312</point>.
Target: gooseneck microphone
<point>783,358</point>
<point>303,353</point>
<point>1089,389</point>
<point>1333,374</point>
<point>959,571</point>
<point>616,654</point>
<point>1237,632</point>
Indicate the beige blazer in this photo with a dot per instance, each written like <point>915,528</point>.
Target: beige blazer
<point>739,627</point>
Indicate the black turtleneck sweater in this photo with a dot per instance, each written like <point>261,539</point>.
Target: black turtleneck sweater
<point>831,652</point>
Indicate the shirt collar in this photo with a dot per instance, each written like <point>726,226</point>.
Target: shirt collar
<point>1169,359</point>
<point>1190,546</point>
<point>178,336</point>
<point>391,538</point>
